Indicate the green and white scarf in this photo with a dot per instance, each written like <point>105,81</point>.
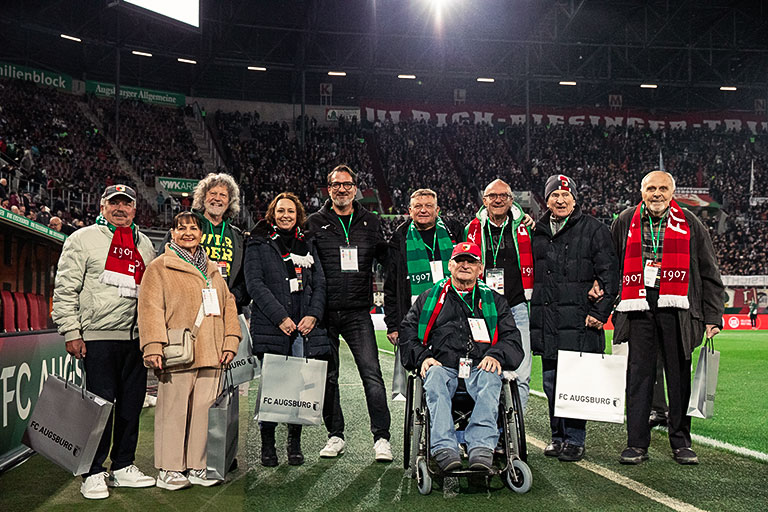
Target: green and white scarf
<point>417,257</point>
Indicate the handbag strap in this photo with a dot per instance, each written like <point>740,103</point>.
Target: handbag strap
<point>71,368</point>
<point>198,321</point>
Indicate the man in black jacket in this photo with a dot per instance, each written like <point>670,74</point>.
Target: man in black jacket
<point>671,296</point>
<point>418,257</point>
<point>348,239</point>
<point>571,250</point>
<point>460,328</point>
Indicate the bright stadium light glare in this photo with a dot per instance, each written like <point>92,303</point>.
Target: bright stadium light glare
<point>567,82</point>
<point>649,86</point>
<point>71,38</point>
<point>187,61</point>
<point>727,88</point>
<point>141,54</point>
<point>337,73</point>
<point>486,80</point>
<point>407,77</point>
<point>257,68</point>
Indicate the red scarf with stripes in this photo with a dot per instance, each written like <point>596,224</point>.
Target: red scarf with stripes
<point>675,263</point>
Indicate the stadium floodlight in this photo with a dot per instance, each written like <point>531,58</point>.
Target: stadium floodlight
<point>486,80</point>
<point>407,77</point>
<point>727,88</point>
<point>187,61</point>
<point>337,73</point>
<point>71,38</point>
<point>257,68</point>
<point>649,86</point>
<point>567,82</point>
<point>141,54</point>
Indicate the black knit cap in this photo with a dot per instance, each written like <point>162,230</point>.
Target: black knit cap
<point>559,182</point>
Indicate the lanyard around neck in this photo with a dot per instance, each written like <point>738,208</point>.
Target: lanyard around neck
<point>495,250</point>
<point>207,282</point>
<point>471,307</point>
<point>221,236</point>
<point>345,228</point>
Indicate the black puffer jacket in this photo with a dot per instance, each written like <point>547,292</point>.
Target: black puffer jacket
<point>449,335</point>
<point>348,290</point>
<point>267,280</point>
<point>564,268</point>
<point>397,288</point>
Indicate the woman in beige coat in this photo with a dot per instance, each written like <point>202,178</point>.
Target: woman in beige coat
<point>172,292</point>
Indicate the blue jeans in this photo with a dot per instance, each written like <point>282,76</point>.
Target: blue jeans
<point>565,430</point>
<point>520,313</point>
<point>297,347</point>
<point>484,388</point>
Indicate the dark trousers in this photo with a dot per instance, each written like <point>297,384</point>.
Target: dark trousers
<point>356,327</point>
<point>566,430</point>
<point>653,332</point>
<point>115,371</point>
<point>659,403</point>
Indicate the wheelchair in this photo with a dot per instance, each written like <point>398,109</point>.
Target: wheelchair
<point>510,455</point>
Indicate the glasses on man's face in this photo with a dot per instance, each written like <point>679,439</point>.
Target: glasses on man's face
<point>494,197</point>
<point>336,185</point>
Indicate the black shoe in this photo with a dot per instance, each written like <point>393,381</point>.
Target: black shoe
<point>447,460</point>
<point>685,456</point>
<point>293,446</point>
<point>632,455</point>
<point>657,419</point>
<point>553,449</point>
<point>571,453</point>
<point>481,458</point>
<point>268,452</point>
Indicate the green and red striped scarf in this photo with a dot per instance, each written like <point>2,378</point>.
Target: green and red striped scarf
<point>436,299</point>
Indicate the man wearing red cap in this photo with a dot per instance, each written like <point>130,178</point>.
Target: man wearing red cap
<point>460,328</point>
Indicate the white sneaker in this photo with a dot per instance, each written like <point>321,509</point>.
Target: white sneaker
<point>200,477</point>
<point>130,476</point>
<point>172,480</point>
<point>383,450</point>
<point>333,448</point>
<point>95,487</point>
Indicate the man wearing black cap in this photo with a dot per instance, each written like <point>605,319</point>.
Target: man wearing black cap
<point>571,251</point>
<point>94,307</point>
<point>460,328</point>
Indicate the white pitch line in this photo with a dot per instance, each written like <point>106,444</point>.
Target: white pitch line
<point>707,441</point>
<point>628,483</point>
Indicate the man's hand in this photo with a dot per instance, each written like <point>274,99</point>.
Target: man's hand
<point>528,221</point>
<point>490,364</point>
<point>593,322</point>
<point>712,330</point>
<point>76,348</point>
<point>596,293</point>
<point>155,362</point>
<point>287,326</point>
<point>393,337</point>
<point>306,324</point>
<point>226,357</point>
<point>428,362</point>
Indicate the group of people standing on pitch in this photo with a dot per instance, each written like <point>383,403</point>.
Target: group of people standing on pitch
<point>513,287</point>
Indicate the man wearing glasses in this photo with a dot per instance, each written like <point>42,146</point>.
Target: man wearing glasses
<point>502,229</point>
<point>348,239</point>
<point>419,251</point>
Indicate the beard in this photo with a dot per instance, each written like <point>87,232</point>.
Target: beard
<point>215,210</point>
<point>343,201</point>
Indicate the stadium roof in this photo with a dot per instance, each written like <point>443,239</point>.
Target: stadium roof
<point>689,49</point>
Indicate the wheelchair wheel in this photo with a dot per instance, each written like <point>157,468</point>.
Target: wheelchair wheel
<point>522,447</point>
<point>423,478</point>
<point>408,426</point>
<point>518,478</point>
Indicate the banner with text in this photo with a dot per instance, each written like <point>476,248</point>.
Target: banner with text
<point>169,99</point>
<point>177,186</point>
<point>38,76</point>
<point>373,111</point>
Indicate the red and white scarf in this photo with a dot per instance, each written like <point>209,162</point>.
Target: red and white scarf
<point>124,267</point>
<point>476,234</point>
<point>675,264</point>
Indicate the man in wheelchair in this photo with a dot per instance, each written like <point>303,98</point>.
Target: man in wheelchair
<point>460,328</point>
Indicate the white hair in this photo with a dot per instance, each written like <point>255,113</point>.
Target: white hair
<point>648,176</point>
<point>215,180</point>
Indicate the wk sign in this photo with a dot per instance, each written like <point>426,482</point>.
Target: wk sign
<point>177,186</point>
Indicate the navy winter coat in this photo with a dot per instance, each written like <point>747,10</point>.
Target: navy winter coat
<point>266,278</point>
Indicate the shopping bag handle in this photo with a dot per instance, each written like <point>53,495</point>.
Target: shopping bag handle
<point>71,368</point>
<point>226,376</point>
<point>709,345</point>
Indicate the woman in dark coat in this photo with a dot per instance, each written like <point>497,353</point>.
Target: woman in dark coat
<point>284,277</point>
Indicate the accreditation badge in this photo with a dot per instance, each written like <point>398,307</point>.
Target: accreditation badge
<point>348,254</point>
<point>479,330</point>
<point>465,366</point>
<point>651,273</point>
<point>211,302</point>
<point>494,278</point>
<point>437,270</point>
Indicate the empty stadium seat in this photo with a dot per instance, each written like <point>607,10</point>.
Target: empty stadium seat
<point>35,320</point>
<point>9,312</point>
<point>22,311</point>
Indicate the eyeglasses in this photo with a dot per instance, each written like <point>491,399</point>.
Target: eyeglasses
<point>494,197</point>
<point>336,185</point>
